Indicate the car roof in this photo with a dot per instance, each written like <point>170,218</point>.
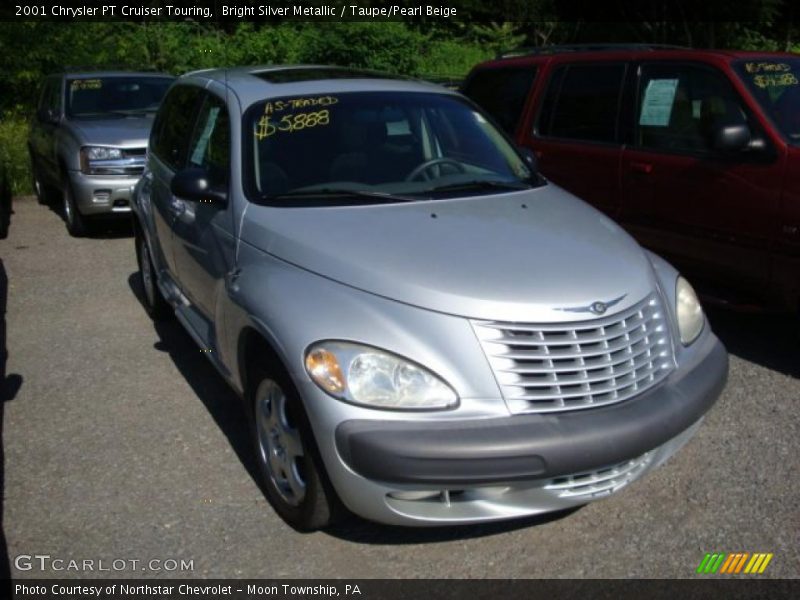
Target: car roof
<point>525,56</point>
<point>252,84</point>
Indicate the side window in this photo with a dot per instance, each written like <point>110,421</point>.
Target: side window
<point>210,147</point>
<point>680,106</point>
<point>502,93</point>
<point>173,127</point>
<point>582,103</point>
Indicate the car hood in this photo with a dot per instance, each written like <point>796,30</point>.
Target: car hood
<point>130,132</point>
<point>522,256</point>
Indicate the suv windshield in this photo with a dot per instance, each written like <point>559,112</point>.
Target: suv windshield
<point>93,97</point>
<point>775,84</point>
<point>376,146</point>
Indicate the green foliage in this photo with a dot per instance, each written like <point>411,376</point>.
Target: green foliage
<point>388,46</point>
<point>14,153</point>
<point>450,58</point>
<point>498,37</point>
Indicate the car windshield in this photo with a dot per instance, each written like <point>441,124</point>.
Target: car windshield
<point>103,97</point>
<point>775,84</point>
<point>376,146</point>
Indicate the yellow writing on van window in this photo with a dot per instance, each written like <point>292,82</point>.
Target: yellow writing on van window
<point>86,84</point>
<point>767,67</point>
<point>776,80</point>
<point>266,127</point>
<point>274,106</point>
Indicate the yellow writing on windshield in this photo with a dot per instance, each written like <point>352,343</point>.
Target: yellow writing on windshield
<point>266,126</point>
<point>767,67</point>
<point>86,84</point>
<point>774,80</point>
<point>274,106</point>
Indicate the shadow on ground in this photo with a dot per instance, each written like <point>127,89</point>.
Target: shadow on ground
<point>364,532</point>
<point>769,340</point>
<point>222,403</point>
<point>105,228</point>
<point>9,386</point>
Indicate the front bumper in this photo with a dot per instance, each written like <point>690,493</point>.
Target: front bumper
<point>518,457</point>
<point>102,194</point>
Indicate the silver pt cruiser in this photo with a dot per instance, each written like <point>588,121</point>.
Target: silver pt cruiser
<point>423,330</point>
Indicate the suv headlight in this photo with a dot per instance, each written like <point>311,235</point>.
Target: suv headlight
<point>92,158</point>
<point>689,312</point>
<point>374,378</point>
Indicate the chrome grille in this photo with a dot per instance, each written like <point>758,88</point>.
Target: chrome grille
<point>600,482</point>
<point>569,366</point>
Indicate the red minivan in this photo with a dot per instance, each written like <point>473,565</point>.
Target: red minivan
<point>695,152</point>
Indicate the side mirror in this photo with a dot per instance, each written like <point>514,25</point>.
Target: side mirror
<point>730,139</point>
<point>195,184</point>
<point>530,159</point>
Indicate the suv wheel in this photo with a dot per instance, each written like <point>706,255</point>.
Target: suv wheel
<point>293,475</point>
<point>40,189</point>
<point>77,224</point>
<point>154,302</point>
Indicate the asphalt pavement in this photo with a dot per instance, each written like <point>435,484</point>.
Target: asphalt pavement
<point>121,443</point>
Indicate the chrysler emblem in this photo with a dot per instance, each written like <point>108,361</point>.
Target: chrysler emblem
<point>599,307</point>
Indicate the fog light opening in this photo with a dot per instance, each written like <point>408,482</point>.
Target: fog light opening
<point>445,497</point>
<point>101,196</point>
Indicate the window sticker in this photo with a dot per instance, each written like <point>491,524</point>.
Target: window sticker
<point>86,84</point>
<point>199,152</point>
<point>659,97</point>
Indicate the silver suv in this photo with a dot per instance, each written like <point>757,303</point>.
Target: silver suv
<point>423,330</point>
<point>88,141</point>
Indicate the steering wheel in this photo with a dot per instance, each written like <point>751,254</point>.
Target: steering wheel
<point>429,164</point>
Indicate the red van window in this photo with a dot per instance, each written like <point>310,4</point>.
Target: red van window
<point>680,106</point>
<point>582,103</point>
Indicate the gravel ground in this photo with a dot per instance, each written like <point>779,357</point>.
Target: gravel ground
<point>121,442</point>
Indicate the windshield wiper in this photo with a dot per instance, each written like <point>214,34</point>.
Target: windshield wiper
<point>372,196</point>
<point>490,184</point>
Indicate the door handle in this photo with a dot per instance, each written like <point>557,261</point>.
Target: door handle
<point>641,167</point>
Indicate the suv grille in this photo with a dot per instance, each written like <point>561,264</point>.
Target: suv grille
<point>569,366</point>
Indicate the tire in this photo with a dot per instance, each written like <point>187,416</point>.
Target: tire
<point>41,190</point>
<point>77,224</point>
<point>154,303</point>
<point>292,473</point>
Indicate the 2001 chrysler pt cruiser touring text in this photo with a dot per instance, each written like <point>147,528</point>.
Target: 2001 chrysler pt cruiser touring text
<point>424,331</point>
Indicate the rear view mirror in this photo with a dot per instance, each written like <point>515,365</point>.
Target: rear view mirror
<point>731,138</point>
<point>195,184</point>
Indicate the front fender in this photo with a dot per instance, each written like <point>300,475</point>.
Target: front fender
<point>293,308</point>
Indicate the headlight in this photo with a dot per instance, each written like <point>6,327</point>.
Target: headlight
<point>102,153</point>
<point>92,157</point>
<point>689,312</point>
<point>374,378</point>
